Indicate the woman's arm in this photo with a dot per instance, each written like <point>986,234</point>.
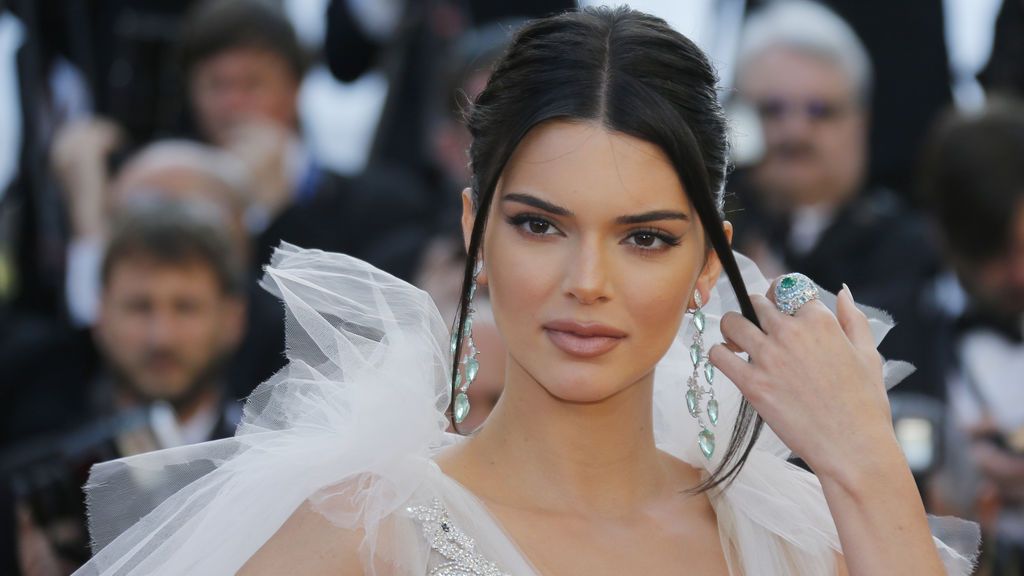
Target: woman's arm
<point>880,517</point>
<point>310,545</point>
<point>816,379</point>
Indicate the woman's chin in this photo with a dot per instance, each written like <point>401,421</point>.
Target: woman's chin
<point>579,389</point>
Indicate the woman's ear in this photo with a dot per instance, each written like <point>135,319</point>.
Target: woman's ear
<point>712,269</point>
<point>468,221</point>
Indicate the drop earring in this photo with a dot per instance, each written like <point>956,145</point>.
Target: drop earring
<point>470,365</point>
<point>695,391</point>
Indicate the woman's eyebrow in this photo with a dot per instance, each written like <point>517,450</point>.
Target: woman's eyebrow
<point>652,217</point>
<point>540,204</point>
<point>536,203</point>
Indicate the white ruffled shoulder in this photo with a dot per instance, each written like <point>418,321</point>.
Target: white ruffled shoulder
<point>353,422</point>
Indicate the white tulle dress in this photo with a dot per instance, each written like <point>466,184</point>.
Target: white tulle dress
<point>353,422</point>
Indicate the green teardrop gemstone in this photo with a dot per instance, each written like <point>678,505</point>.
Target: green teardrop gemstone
<point>706,441</point>
<point>455,342</point>
<point>787,283</point>
<point>695,353</point>
<point>698,321</point>
<point>461,407</point>
<point>709,372</point>
<point>458,381</point>
<point>691,401</point>
<point>713,411</point>
<point>472,367</point>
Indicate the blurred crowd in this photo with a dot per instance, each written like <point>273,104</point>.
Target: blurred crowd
<point>154,153</point>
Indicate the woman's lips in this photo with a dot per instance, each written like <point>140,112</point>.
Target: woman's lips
<point>583,340</point>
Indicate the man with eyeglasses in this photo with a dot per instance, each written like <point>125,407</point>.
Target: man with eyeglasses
<point>807,78</point>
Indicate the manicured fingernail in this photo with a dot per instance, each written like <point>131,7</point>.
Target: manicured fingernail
<point>848,292</point>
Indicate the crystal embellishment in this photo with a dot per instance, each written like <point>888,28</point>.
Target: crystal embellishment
<point>472,367</point>
<point>461,407</point>
<point>793,291</point>
<point>698,321</point>
<point>706,441</point>
<point>455,547</point>
<point>713,411</point>
<point>695,353</point>
<point>691,401</point>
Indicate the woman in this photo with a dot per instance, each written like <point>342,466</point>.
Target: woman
<point>598,161</point>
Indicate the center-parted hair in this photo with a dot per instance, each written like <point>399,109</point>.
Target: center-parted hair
<point>635,75</point>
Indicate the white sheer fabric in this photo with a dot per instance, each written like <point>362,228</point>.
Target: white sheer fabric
<point>352,423</point>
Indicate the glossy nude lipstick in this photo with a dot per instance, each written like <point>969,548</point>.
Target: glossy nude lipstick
<point>583,339</point>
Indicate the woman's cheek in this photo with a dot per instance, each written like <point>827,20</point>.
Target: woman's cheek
<point>521,279</point>
<point>658,305</point>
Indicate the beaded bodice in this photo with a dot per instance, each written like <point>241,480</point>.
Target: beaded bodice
<point>455,550</point>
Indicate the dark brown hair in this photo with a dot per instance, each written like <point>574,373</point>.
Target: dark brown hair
<point>972,178</point>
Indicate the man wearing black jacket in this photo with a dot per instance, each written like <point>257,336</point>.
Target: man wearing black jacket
<point>172,313</point>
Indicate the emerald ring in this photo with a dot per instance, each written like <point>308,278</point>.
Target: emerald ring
<point>792,291</point>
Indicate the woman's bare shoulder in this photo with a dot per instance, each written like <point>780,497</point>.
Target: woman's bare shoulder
<point>308,543</point>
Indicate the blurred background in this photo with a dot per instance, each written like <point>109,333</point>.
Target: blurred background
<point>153,153</point>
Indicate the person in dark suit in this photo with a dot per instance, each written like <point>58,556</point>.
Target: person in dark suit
<point>171,314</point>
<point>809,79</point>
<point>973,183</point>
<point>243,66</point>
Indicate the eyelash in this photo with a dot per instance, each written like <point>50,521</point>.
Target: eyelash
<point>522,221</point>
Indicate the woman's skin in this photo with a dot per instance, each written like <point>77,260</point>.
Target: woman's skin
<point>594,227</point>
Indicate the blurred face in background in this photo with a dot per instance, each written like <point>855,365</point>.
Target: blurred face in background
<point>242,85</point>
<point>998,283</point>
<point>815,128</point>
<point>165,328</point>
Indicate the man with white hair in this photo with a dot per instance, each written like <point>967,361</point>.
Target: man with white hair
<point>809,79</point>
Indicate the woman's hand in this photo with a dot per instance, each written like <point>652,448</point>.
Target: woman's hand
<point>815,378</point>
<point>265,148</point>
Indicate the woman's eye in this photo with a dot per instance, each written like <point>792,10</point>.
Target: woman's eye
<point>538,226</point>
<point>652,240</point>
<point>533,225</point>
<point>645,239</point>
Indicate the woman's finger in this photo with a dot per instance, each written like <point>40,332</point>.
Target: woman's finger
<point>731,345</point>
<point>767,314</point>
<point>854,322</point>
<point>741,333</point>
<point>736,369</point>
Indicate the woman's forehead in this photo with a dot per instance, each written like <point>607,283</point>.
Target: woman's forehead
<point>585,164</point>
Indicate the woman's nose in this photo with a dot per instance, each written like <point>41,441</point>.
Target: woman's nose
<point>586,274</point>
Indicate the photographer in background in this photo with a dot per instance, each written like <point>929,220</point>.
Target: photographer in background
<point>243,66</point>
<point>974,183</point>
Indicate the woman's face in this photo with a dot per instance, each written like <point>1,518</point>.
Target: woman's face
<point>592,253</point>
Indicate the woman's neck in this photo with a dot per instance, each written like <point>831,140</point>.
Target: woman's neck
<point>538,451</point>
